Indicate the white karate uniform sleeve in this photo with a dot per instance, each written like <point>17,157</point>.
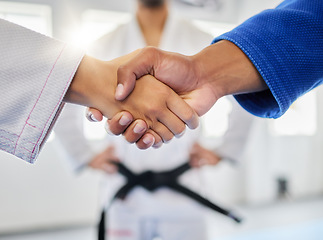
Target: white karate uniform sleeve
<point>35,73</point>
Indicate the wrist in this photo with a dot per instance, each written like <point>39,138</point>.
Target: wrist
<point>227,70</point>
<point>93,86</point>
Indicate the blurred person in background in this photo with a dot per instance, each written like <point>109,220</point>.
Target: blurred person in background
<point>162,213</point>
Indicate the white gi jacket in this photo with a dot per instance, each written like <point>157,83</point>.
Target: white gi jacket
<point>179,36</point>
<point>35,72</point>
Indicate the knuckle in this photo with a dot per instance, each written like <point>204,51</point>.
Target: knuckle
<point>151,52</point>
<point>153,111</point>
<point>122,70</point>
<point>149,49</point>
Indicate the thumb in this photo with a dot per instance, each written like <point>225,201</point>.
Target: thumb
<point>139,65</point>
<point>93,115</point>
<point>126,82</point>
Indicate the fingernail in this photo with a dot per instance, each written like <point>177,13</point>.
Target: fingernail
<point>107,128</point>
<point>119,91</point>
<point>158,145</point>
<point>148,140</point>
<point>91,117</point>
<point>181,134</point>
<point>138,128</point>
<point>124,120</point>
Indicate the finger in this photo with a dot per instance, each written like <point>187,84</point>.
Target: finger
<point>140,65</point>
<point>93,115</point>
<point>150,139</point>
<point>119,123</point>
<point>109,151</point>
<point>158,140</point>
<point>203,162</point>
<point>181,134</point>
<point>163,132</point>
<point>110,155</point>
<point>183,111</point>
<point>195,149</point>
<point>198,161</point>
<point>109,168</point>
<point>135,131</point>
<point>194,161</point>
<point>174,124</point>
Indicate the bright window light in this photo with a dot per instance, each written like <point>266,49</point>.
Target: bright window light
<point>300,119</point>
<point>96,23</point>
<point>33,16</point>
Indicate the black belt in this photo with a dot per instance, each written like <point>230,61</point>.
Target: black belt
<point>152,181</point>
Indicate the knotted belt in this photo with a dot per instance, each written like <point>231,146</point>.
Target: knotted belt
<point>152,181</point>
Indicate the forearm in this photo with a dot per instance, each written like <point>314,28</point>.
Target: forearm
<point>227,70</point>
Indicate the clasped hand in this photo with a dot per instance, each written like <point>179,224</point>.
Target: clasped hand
<point>152,114</point>
<point>155,109</point>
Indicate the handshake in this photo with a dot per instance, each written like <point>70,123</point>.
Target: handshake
<point>150,95</point>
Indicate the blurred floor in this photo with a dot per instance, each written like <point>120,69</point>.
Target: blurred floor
<point>285,220</point>
<point>301,220</point>
<point>84,233</point>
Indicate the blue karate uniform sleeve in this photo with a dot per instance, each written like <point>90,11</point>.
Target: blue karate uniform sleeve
<point>285,44</point>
